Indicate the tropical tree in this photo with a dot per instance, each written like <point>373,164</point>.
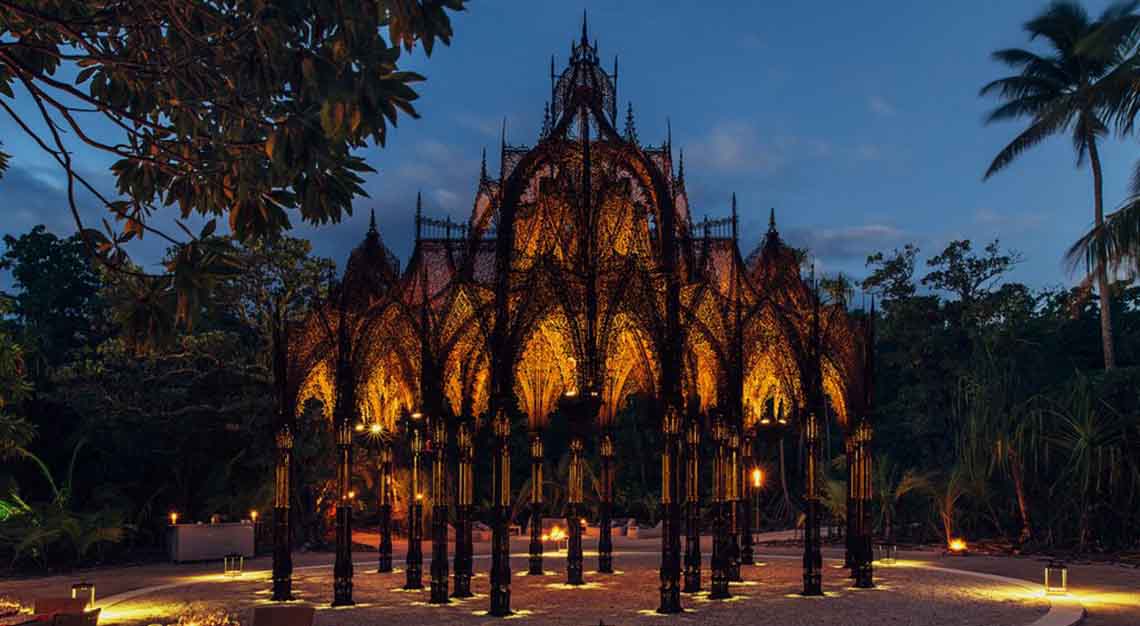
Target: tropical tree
<point>249,111</point>
<point>1070,89</point>
<point>892,484</point>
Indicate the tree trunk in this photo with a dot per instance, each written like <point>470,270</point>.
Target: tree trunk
<point>1101,268</point>
<point>1019,488</point>
<point>784,483</point>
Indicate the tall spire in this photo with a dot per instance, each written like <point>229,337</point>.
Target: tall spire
<point>614,102</point>
<point>419,214</point>
<point>546,123</point>
<point>681,167</point>
<point>669,137</point>
<point>585,30</point>
<point>503,150</point>
<point>483,167</point>
<point>372,223</point>
<point>630,125</point>
<point>772,220</point>
<point>734,218</point>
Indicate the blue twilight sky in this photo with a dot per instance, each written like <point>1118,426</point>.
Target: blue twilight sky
<point>859,122</point>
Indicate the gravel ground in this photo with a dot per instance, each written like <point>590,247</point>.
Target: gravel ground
<point>905,596</point>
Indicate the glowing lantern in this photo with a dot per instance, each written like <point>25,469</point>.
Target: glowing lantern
<point>360,428</point>
<point>173,518</point>
<point>253,516</point>
<point>84,590</point>
<point>958,546</point>
<point>1056,577</point>
<point>351,495</point>
<point>757,478</point>
<point>233,565</point>
<point>376,429</point>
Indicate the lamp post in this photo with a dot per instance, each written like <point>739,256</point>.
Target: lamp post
<point>536,457</point>
<point>464,499</point>
<point>745,508</point>
<point>415,559</point>
<point>342,568</point>
<point>500,539</point>
<point>692,507</point>
<point>670,516</point>
<point>605,507</point>
<point>282,542</point>
<point>720,551</point>
<point>439,513</point>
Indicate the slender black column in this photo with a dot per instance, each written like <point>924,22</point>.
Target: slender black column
<point>851,525</point>
<point>721,551</point>
<point>414,563</point>
<point>692,509</point>
<point>670,516</point>
<point>282,541</point>
<point>536,457</point>
<point>732,505</point>
<point>863,550</point>
<point>342,568</point>
<point>500,537</point>
<point>813,560</point>
<point>439,568</point>
<point>463,547</point>
<point>573,515</point>
<point>745,508</point>
<point>384,561</point>
<point>605,507</point>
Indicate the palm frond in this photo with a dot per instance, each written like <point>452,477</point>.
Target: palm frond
<point>1040,130</point>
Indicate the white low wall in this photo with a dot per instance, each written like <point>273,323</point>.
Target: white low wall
<point>206,542</point>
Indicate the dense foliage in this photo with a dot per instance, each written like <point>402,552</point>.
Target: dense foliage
<point>994,418</point>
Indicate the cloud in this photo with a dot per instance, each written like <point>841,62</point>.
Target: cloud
<point>868,152</point>
<point>1019,221</point>
<point>851,242</point>
<point>737,147</point>
<point>879,106</point>
<point>484,126</point>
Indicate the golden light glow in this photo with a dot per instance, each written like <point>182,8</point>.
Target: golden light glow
<point>757,477</point>
<point>360,428</point>
<point>557,534</point>
<point>376,428</point>
<point>957,545</point>
<point>351,495</point>
<point>173,518</point>
<point>253,515</point>
<point>419,496</point>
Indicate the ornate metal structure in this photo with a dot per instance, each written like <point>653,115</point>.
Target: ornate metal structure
<point>581,272</point>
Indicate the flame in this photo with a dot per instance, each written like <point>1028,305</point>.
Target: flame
<point>957,545</point>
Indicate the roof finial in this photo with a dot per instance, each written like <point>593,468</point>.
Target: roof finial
<point>585,34</point>
<point>372,223</point>
<point>772,220</point>
<point>483,167</point>
<point>681,167</point>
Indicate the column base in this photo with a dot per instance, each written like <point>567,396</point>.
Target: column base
<point>813,585</point>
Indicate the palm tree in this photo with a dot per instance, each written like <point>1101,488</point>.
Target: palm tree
<point>1075,88</point>
<point>891,485</point>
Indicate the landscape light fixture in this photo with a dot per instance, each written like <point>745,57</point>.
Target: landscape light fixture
<point>1056,577</point>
